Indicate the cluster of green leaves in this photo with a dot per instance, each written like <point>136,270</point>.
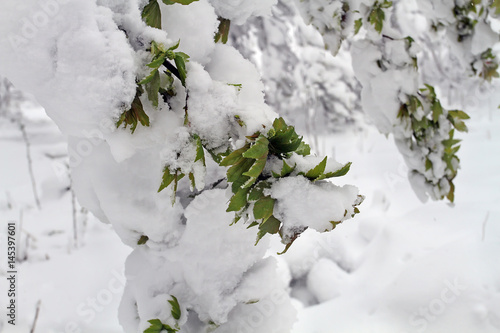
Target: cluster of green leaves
<point>151,14</point>
<point>490,66</point>
<point>428,125</point>
<point>467,17</point>
<point>157,326</point>
<point>173,176</point>
<point>135,114</point>
<point>249,182</point>
<point>162,56</point>
<point>153,83</point>
<point>377,14</point>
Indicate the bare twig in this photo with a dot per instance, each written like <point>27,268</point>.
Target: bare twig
<point>74,213</point>
<point>36,316</point>
<point>22,127</point>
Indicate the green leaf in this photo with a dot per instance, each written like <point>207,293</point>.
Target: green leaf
<point>153,88</point>
<point>167,179</point>
<point>182,2</point>
<point>238,201</point>
<point>428,164</point>
<point>339,173</point>
<point>180,62</point>
<point>142,240</point>
<point>156,326</point>
<point>458,113</point>
<point>149,78</point>
<point>451,194</point>
<point>176,309</point>
<point>269,226</point>
<point>157,61</point>
<point>257,191</point>
<point>317,170</point>
<point>437,110</point>
<point>376,18</point>
<point>200,154</point>
<point>237,170</point>
<point>304,149</point>
<point>135,114</point>
<point>151,14</point>
<point>257,167</point>
<point>258,149</point>
<point>263,208</point>
<point>234,157</point>
<point>357,25</point>
<point>193,181</point>
<point>223,31</point>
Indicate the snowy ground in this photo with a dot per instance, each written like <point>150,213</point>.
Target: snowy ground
<point>400,266</point>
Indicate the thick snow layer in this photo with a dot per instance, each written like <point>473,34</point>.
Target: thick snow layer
<point>399,266</point>
<point>238,11</point>
<point>48,44</point>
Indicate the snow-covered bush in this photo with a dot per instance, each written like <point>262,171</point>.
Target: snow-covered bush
<point>174,145</point>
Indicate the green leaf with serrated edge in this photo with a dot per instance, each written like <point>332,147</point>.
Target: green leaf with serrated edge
<point>142,240</point>
<point>317,170</point>
<point>153,88</point>
<point>258,149</point>
<point>238,201</point>
<point>156,326</point>
<point>181,67</point>
<point>168,178</point>
<point>357,25</point>
<point>339,173</point>
<point>176,309</point>
<point>151,14</point>
<point>458,114</point>
<point>257,167</point>
<point>269,226</point>
<point>234,157</point>
<point>263,208</point>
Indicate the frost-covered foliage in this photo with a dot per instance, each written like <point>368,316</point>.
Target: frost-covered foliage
<point>395,94</point>
<point>303,81</point>
<point>171,143</point>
